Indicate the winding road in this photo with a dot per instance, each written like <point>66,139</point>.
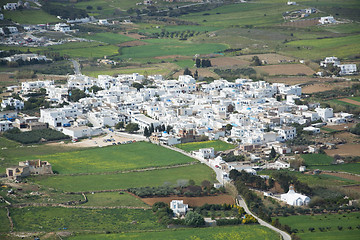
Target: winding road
<point>241,202</point>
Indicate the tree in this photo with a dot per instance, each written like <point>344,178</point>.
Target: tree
<point>119,125</point>
<point>191,182</point>
<point>146,132</point>
<point>272,153</point>
<point>138,86</point>
<point>230,108</point>
<point>187,72</point>
<point>194,219</point>
<point>206,184</point>
<point>198,62</point>
<point>196,75</point>
<point>132,127</point>
<point>255,61</point>
<point>228,127</point>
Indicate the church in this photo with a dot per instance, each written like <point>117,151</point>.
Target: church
<point>294,199</point>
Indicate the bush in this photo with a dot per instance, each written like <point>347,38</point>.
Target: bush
<point>194,219</point>
<point>34,136</point>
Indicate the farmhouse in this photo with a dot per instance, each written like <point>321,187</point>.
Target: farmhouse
<point>62,27</point>
<point>327,20</point>
<point>294,199</point>
<point>205,153</point>
<point>5,125</point>
<point>29,167</point>
<point>178,207</point>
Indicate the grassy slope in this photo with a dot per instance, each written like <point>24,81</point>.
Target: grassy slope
<point>113,158</point>
<point>217,145</point>
<point>30,17</point>
<point>303,223</point>
<point>348,167</point>
<point>225,233</point>
<point>5,224</point>
<point>111,199</point>
<point>55,218</point>
<point>198,173</point>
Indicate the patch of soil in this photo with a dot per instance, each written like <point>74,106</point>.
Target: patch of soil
<point>192,201</point>
<point>317,87</point>
<point>132,44</point>
<point>344,175</point>
<point>345,150</point>
<point>134,35</point>
<point>286,69</point>
<point>228,62</point>
<point>291,80</point>
<point>270,58</point>
<point>350,101</point>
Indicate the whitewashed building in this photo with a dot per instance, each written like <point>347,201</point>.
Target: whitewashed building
<point>178,207</point>
<point>294,199</point>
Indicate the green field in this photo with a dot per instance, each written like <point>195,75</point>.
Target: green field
<point>336,101</point>
<point>197,172</point>
<point>30,17</point>
<point>345,220</point>
<point>112,199</point>
<point>111,38</point>
<point>355,98</point>
<point>217,145</point>
<point>242,232</point>
<point>113,158</point>
<point>5,224</point>
<point>347,167</point>
<point>317,159</point>
<point>320,48</point>
<point>164,47</point>
<point>55,218</point>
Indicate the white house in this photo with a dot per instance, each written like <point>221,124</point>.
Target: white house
<point>327,20</point>
<point>287,133</point>
<point>11,6</point>
<point>16,103</point>
<point>291,3</point>
<point>325,113</point>
<point>312,130</point>
<point>5,125</point>
<point>103,22</point>
<point>294,199</point>
<point>205,153</point>
<point>62,27</point>
<point>178,207</point>
<point>347,69</point>
<point>334,60</point>
<point>80,132</point>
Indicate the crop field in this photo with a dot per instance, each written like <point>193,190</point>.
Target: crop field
<point>228,61</point>
<point>192,201</point>
<point>243,232</point>
<point>164,47</point>
<point>317,159</point>
<point>347,149</point>
<point>218,145</point>
<point>350,101</point>
<point>112,199</point>
<point>320,48</point>
<point>111,38</point>
<point>330,224</point>
<point>55,218</point>
<point>286,69</point>
<point>113,158</point>
<point>346,167</point>
<point>270,58</point>
<point>30,17</point>
<point>197,172</point>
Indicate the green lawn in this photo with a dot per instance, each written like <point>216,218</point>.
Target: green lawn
<point>57,218</point>
<point>111,38</point>
<point>30,17</point>
<point>6,143</point>
<point>111,199</point>
<point>317,159</point>
<point>336,101</point>
<point>217,145</point>
<point>164,47</point>
<point>345,220</point>
<point>112,158</point>
<point>5,224</point>
<point>347,167</point>
<point>197,172</point>
<point>242,232</point>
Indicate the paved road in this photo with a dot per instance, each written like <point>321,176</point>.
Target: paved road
<point>242,203</point>
<point>76,67</point>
